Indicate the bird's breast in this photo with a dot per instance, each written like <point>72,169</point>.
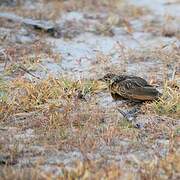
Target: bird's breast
<point>117,88</point>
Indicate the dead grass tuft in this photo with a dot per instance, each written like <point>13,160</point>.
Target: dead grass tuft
<point>88,170</point>
<point>3,90</point>
<point>168,104</point>
<point>9,173</point>
<point>27,56</point>
<point>51,93</point>
<point>166,168</point>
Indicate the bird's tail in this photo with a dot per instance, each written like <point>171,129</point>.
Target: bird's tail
<point>146,93</point>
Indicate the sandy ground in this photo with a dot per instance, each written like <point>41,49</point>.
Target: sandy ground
<point>88,40</point>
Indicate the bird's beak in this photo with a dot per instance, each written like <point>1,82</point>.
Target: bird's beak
<point>101,79</point>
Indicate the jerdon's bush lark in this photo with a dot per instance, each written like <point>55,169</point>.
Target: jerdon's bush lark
<point>133,88</point>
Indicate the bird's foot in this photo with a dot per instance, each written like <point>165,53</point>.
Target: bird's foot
<point>138,125</point>
<point>131,116</point>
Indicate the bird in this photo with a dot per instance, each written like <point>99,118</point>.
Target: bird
<point>127,87</point>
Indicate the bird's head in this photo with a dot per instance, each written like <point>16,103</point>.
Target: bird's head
<point>107,78</point>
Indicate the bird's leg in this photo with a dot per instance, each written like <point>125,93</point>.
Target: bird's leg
<point>125,115</point>
<point>131,115</point>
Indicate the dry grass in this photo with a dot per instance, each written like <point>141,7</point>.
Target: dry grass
<point>53,9</point>
<point>168,53</point>
<point>159,168</point>
<point>28,56</point>
<point>168,104</point>
<point>163,27</point>
<point>68,122</point>
<point>25,96</point>
<point>65,116</point>
<point>20,174</point>
<point>3,90</point>
<point>85,170</point>
<point>165,168</point>
<point>121,12</point>
<point>88,170</point>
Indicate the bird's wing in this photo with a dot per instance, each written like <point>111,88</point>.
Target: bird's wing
<point>139,80</point>
<point>134,89</point>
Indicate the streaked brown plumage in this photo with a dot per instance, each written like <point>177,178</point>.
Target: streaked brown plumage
<point>130,87</point>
